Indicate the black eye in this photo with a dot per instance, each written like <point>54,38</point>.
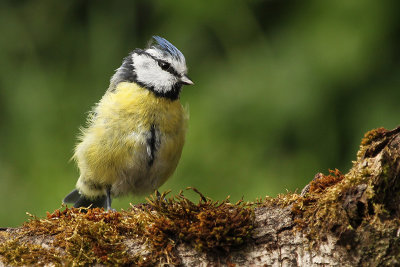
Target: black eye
<point>164,65</point>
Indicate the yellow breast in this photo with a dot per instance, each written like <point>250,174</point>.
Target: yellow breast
<point>113,147</point>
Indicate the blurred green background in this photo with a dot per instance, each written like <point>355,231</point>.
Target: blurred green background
<point>284,89</point>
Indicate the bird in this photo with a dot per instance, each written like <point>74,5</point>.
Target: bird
<point>134,136</point>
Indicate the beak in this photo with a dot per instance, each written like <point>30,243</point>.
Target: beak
<point>186,80</point>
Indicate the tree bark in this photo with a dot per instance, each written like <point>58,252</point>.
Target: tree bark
<point>337,220</point>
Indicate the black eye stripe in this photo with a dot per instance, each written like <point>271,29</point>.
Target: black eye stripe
<point>164,65</point>
<point>171,69</point>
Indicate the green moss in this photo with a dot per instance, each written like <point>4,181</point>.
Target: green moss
<point>87,237</point>
<point>373,135</point>
<point>359,208</point>
<point>90,236</point>
<point>281,200</point>
<point>207,225</point>
<point>17,253</point>
<point>360,212</point>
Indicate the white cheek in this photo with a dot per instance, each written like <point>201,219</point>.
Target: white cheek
<point>158,79</point>
<point>149,73</point>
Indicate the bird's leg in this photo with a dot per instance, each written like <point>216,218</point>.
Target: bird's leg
<point>158,194</point>
<point>108,199</point>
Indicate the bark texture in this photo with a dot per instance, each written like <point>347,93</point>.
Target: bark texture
<point>337,220</point>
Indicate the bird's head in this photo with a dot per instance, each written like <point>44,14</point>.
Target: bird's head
<point>161,68</point>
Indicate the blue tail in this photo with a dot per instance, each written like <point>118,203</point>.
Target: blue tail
<point>81,201</point>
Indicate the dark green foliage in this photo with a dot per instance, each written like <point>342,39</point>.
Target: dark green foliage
<point>284,89</point>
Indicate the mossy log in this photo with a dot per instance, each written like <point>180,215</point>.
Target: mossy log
<point>337,220</point>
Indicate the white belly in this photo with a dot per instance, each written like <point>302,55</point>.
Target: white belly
<point>140,177</point>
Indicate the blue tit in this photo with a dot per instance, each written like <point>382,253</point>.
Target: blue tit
<point>135,134</point>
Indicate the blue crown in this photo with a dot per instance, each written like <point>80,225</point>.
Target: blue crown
<point>169,48</point>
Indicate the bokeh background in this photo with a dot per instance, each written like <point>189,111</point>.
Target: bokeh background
<point>284,89</point>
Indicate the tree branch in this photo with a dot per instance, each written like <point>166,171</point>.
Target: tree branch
<point>340,220</point>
